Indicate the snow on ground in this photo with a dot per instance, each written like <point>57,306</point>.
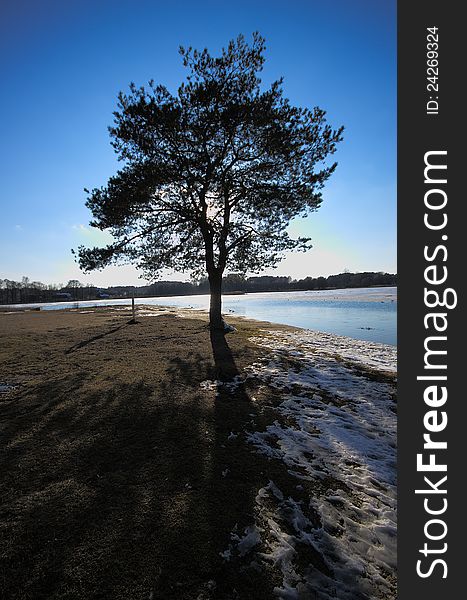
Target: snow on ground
<point>336,433</point>
<point>304,342</point>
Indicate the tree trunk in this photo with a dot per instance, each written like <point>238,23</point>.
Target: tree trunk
<point>215,304</point>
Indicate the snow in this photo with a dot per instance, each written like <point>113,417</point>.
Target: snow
<point>336,434</point>
<point>306,342</point>
<point>242,545</point>
<point>150,312</point>
<point>208,384</point>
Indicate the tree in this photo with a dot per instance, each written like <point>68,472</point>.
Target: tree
<point>73,284</point>
<point>213,175</point>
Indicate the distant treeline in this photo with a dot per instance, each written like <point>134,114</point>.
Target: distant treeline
<point>26,291</point>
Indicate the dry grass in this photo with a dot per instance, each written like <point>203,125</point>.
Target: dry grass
<point>112,459</point>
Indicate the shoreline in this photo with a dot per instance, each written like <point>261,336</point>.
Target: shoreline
<point>195,312</point>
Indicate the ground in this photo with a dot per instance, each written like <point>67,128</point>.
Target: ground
<point>154,461</point>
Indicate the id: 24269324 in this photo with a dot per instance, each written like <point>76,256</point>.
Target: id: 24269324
<point>432,105</point>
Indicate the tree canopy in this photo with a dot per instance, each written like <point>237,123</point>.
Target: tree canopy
<point>212,175</point>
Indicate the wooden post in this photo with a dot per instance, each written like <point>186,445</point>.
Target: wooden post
<point>133,307</point>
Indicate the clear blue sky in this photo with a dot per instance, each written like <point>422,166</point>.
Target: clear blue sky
<point>63,63</point>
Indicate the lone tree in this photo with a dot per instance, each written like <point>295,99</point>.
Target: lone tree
<point>213,175</point>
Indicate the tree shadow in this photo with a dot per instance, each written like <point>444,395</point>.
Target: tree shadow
<point>229,481</point>
<point>238,475</point>
<point>95,338</point>
<point>225,366</point>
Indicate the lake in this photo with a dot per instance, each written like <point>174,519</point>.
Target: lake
<point>362,313</point>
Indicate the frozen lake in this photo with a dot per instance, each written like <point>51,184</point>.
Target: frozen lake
<point>361,313</point>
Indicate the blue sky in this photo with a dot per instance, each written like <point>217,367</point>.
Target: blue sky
<point>63,64</point>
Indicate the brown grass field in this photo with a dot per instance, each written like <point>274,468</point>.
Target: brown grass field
<point>121,478</point>
<point>112,458</point>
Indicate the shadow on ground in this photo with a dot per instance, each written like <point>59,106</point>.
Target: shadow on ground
<point>121,477</point>
<point>112,482</point>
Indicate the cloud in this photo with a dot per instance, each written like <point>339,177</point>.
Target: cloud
<point>19,228</point>
<point>92,235</point>
<point>82,229</point>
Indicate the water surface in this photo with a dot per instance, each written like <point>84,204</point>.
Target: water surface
<point>361,313</point>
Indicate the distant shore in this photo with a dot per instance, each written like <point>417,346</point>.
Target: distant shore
<point>25,291</point>
<point>151,458</point>
<point>5,305</point>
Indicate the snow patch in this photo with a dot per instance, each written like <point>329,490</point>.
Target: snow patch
<point>208,384</point>
<point>336,433</point>
<point>303,343</point>
<point>242,545</point>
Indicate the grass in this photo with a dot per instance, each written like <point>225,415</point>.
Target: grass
<point>113,455</point>
<point>120,477</point>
